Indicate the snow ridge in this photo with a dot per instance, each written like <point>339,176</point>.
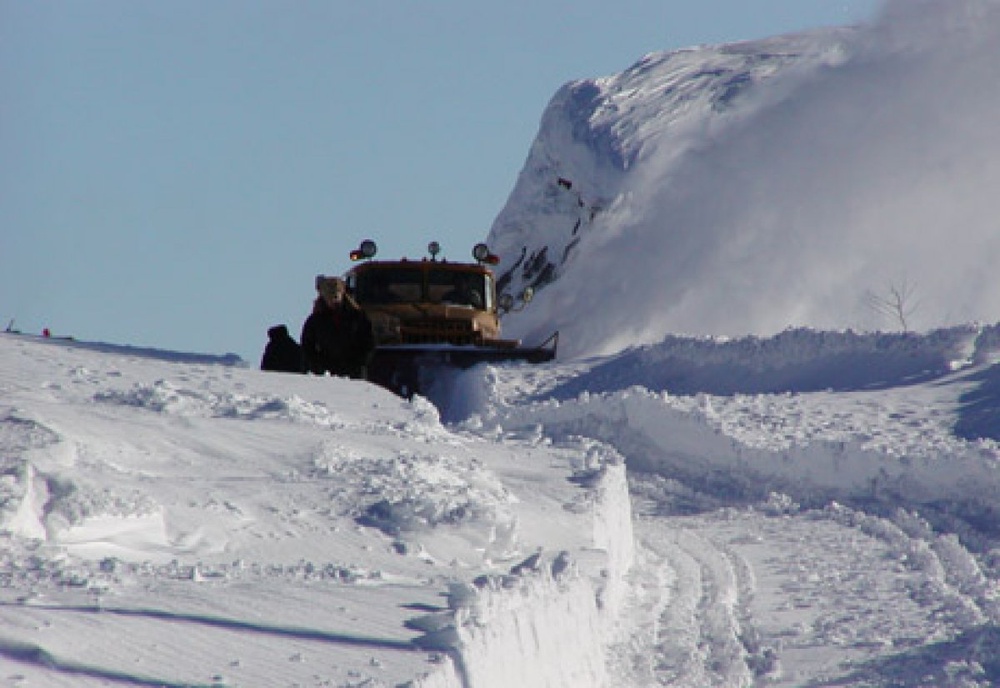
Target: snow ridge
<point>546,621</point>
<point>783,441</point>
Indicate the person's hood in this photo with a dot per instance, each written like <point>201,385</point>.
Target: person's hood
<point>278,332</point>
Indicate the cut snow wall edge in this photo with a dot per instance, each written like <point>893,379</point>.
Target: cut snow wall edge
<point>547,623</point>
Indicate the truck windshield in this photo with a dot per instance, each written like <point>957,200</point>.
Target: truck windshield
<point>400,285</point>
<point>457,288</point>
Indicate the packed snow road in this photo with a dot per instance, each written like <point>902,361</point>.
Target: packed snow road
<point>797,538</point>
<point>737,597</point>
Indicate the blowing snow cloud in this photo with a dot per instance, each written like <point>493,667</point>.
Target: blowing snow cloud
<point>870,164</point>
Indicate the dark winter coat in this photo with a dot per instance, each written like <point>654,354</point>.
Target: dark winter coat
<point>282,353</point>
<point>338,341</point>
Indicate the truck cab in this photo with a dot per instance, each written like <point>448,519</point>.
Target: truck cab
<point>429,301</point>
<point>430,313</point>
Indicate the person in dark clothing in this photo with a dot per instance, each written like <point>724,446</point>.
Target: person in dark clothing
<point>337,338</point>
<point>282,353</point>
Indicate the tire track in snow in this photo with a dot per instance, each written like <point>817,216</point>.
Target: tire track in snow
<point>686,604</point>
<point>771,595</point>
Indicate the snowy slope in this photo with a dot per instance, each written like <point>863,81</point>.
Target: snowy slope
<point>196,523</point>
<point>193,523</point>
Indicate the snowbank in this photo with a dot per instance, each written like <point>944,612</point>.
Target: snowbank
<point>547,621</point>
<point>802,413</point>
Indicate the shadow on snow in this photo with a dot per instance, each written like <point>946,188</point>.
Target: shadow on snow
<point>28,653</point>
<point>968,659</point>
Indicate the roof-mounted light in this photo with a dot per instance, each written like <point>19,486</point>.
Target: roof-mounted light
<point>434,248</point>
<point>366,250</point>
<point>481,252</point>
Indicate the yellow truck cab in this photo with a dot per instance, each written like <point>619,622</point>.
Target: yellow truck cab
<point>427,313</point>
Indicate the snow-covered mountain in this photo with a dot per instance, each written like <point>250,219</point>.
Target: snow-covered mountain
<point>595,132</point>
<point>836,179</point>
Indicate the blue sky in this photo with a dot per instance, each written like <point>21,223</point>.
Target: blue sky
<point>174,174</point>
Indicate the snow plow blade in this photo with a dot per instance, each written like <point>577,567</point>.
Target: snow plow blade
<point>408,369</point>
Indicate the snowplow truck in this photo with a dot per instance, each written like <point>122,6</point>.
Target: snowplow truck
<point>429,315</point>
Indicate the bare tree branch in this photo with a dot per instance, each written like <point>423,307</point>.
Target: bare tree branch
<point>898,303</point>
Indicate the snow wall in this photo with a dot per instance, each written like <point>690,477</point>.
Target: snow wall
<point>698,435</point>
<point>546,622</point>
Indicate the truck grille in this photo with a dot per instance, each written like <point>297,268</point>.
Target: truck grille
<point>441,331</point>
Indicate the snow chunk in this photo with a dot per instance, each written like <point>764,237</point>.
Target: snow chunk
<point>165,397</point>
<point>418,491</point>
